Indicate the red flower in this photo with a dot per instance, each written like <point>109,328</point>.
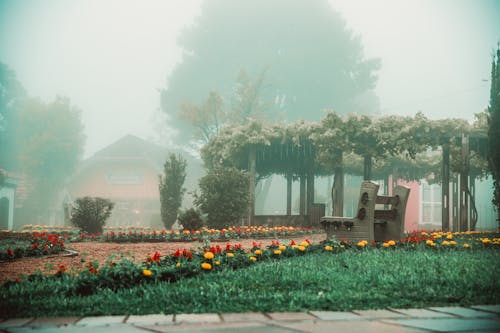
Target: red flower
<point>62,268</point>
<point>10,252</point>
<point>155,257</point>
<point>292,243</point>
<point>34,246</point>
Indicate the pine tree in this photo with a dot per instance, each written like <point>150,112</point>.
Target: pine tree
<point>171,188</point>
<point>494,129</point>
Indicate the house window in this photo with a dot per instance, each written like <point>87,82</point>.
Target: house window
<point>430,203</point>
<point>124,177</point>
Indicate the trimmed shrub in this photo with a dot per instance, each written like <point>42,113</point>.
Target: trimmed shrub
<point>224,197</point>
<point>90,213</point>
<point>191,219</point>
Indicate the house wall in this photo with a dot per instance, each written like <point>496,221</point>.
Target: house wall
<point>132,184</point>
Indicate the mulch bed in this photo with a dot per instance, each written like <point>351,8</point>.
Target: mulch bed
<point>90,251</point>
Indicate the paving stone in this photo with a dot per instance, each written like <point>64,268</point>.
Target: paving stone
<point>101,320</point>
<point>335,315</point>
<point>115,328</point>
<point>351,326</point>
<point>245,316</point>
<point>464,312</point>
<point>197,318</point>
<point>489,308</point>
<point>449,325</point>
<point>55,321</point>
<point>379,314</point>
<point>236,327</point>
<point>423,313</point>
<point>290,316</point>
<point>15,322</point>
<point>153,319</point>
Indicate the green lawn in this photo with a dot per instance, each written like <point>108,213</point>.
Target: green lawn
<point>348,280</point>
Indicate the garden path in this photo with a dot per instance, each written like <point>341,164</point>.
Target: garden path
<point>91,251</point>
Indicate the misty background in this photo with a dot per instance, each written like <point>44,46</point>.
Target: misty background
<point>111,58</point>
<point>129,67</point>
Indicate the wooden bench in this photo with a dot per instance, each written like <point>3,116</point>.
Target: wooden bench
<point>371,223</point>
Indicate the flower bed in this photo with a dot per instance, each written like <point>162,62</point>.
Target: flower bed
<point>18,245</point>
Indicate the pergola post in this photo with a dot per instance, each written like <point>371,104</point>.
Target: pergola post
<point>251,185</point>
<point>464,184</point>
<point>302,207</point>
<point>310,190</point>
<point>367,170</point>
<point>338,187</point>
<point>445,198</point>
<point>289,194</point>
<point>454,211</point>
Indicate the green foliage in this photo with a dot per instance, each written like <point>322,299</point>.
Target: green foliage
<point>304,75</point>
<point>12,94</point>
<point>224,196</point>
<point>171,188</point>
<point>406,144</point>
<point>90,213</point>
<point>494,129</point>
<point>375,279</point>
<point>191,219</point>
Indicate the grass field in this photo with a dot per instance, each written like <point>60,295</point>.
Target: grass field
<point>373,279</point>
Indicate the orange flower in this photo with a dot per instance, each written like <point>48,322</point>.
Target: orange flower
<point>146,272</point>
<point>206,266</point>
<point>208,255</point>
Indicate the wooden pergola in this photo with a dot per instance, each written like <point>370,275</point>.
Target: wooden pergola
<point>293,161</point>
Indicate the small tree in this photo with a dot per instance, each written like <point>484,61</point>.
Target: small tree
<point>171,188</point>
<point>191,219</point>
<point>90,213</point>
<point>224,196</point>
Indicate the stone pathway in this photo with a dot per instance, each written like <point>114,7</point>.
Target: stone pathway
<point>485,318</point>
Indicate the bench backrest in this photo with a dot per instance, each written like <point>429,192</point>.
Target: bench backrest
<point>366,204</point>
<point>394,217</point>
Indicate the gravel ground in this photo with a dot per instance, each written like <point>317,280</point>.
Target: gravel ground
<point>90,251</point>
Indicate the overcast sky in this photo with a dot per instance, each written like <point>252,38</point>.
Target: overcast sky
<point>111,57</point>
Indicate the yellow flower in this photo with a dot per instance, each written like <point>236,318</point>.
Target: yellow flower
<point>230,255</point>
<point>252,258</point>
<point>361,244</point>
<point>277,252</point>
<point>282,248</point>
<point>466,246</point>
<point>178,264</point>
<point>446,243</point>
<point>208,255</point>
<point>423,233</point>
<point>257,252</point>
<point>328,248</point>
<point>206,266</point>
<point>386,244</point>
<point>449,236</point>
<point>295,246</point>
<point>217,263</point>
<point>486,240</point>
<point>392,243</point>
<point>453,242</point>
<point>146,272</point>
<point>304,244</point>
<point>429,242</point>
<point>301,248</point>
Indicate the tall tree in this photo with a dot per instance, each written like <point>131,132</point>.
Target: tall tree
<point>172,188</point>
<point>12,94</point>
<point>50,144</point>
<point>494,129</point>
<point>313,62</point>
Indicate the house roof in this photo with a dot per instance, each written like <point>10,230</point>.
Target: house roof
<point>131,146</point>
